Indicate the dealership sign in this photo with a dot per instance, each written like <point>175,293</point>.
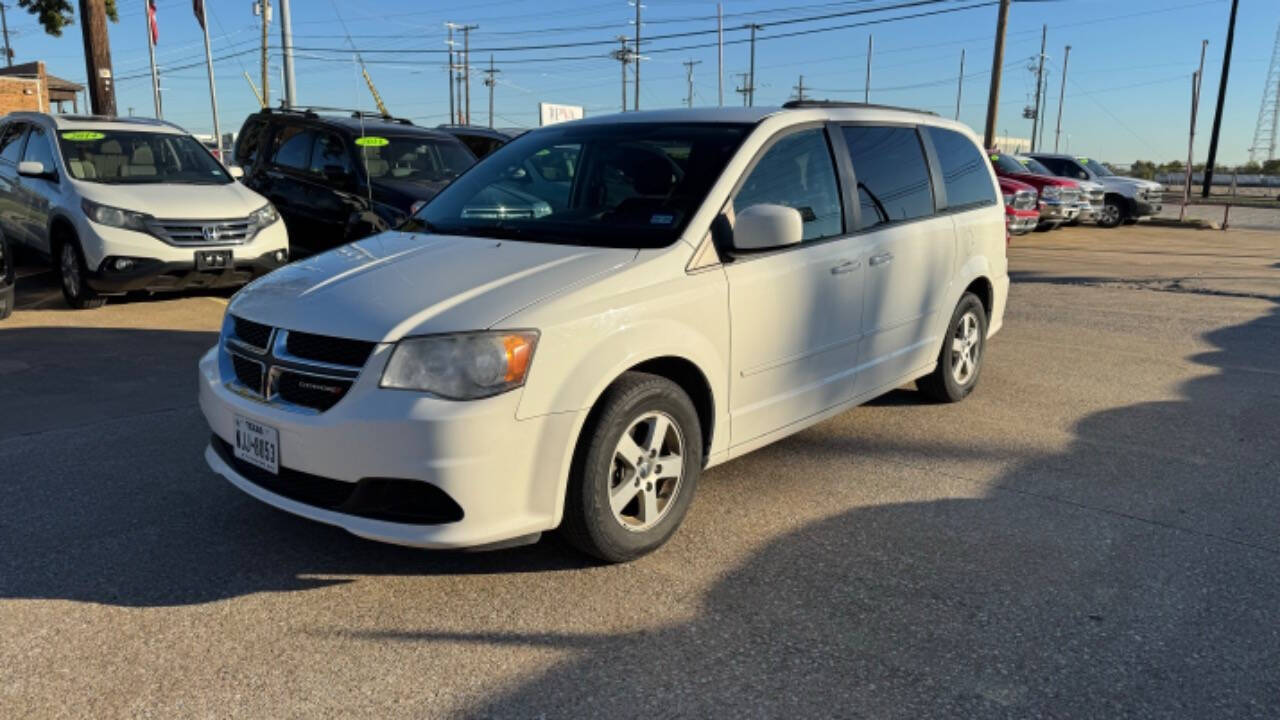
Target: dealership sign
<point>550,113</point>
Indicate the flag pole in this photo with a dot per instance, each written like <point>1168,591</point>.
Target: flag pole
<point>149,14</point>
<point>213,94</point>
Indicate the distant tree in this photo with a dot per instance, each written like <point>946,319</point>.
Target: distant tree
<point>1144,169</point>
<point>1250,168</point>
<point>1271,167</point>
<point>54,15</point>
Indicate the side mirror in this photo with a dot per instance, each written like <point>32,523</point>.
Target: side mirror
<point>764,226</point>
<point>236,171</point>
<point>337,175</point>
<point>34,168</point>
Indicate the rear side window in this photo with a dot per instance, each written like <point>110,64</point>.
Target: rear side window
<point>798,172</point>
<point>964,170</point>
<point>250,141</point>
<point>11,141</point>
<point>293,149</point>
<point>893,178</point>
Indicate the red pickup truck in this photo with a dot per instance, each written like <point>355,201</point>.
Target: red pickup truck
<point>1021,206</point>
<point>1058,197</point>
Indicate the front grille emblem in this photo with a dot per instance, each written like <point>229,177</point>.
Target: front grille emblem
<point>211,233</point>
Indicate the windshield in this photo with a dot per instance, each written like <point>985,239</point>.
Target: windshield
<point>123,157</point>
<point>616,185</point>
<point>1095,167</point>
<point>413,159</point>
<point>1006,163</point>
<point>1033,165</point>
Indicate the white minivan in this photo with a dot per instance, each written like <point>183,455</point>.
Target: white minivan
<point>122,204</point>
<point>674,289</point>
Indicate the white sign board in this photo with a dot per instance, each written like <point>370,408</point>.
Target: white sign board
<point>550,113</point>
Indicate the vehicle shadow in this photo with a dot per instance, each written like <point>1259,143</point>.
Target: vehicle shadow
<point>1132,574</point>
<point>38,288</point>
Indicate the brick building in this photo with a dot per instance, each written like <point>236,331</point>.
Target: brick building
<point>29,87</point>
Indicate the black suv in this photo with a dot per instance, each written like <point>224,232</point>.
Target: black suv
<point>482,140</point>
<point>338,178</point>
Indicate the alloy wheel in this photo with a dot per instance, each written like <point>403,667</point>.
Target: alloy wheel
<point>966,348</point>
<point>648,465</point>
<point>70,270</point>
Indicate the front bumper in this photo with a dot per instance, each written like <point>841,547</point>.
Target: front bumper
<point>1024,223</point>
<point>157,276</point>
<point>1146,208</point>
<point>506,475</point>
<point>1088,213</point>
<point>1057,211</point>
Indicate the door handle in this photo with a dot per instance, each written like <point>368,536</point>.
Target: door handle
<point>881,259</point>
<point>846,267</point>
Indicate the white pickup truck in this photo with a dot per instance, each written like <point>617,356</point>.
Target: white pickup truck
<point>1126,199</point>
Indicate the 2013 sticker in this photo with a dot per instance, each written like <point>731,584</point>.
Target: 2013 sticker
<point>82,135</point>
<point>372,141</point>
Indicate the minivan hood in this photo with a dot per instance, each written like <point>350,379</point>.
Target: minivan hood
<point>387,286</point>
<point>180,201</point>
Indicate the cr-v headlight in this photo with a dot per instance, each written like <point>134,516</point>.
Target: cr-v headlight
<point>264,216</point>
<point>463,366</point>
<point>115,217</point>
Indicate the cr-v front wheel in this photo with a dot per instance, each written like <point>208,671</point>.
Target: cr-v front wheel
<point>633,480</point>
<point>960,359</point>
<point>75,281</point>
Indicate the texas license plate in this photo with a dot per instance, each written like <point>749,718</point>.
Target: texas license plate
<point>258,444</point>
<point>214,259</point>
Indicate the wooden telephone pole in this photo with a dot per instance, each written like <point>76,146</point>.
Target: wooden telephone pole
<point>97,57</point>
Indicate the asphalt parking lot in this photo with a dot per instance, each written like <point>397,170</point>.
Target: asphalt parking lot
<point>1092,534</point>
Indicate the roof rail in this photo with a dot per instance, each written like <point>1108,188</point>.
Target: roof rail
<point>800,104</point>
<point>380,116</point>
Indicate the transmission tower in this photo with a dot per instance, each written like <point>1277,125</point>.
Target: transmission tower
<point>1265,135</point>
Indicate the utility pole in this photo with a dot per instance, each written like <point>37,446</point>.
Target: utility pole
<point>638,5</point>
<point>1062,94</point>
<point>1196,79</point>
<point>719,55</point>
<point>689,65</point>
<point>8,54</point>
<point>448,73</point>
<point>1035,119</point>
<point>286,47</point>
<point>997,62</point>
<point>466,69</point>
<point>960,85</point>
<point>751,85</point>
<point>866,88</point>
<point>208,61</point>
<point>623,55</point>
<point>1222,96</point>
<point>744,89</point>
<point>799,88</point>
<point>148,9</point>
<point>263,8</point>
<point>490,79</point>
<point>97,57</point>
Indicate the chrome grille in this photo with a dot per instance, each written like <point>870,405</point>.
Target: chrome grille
<point>1024,200</point>
<point>192,233</point>
<point>1095,197</point>
<point>302,371</point>
<point>1070,196</point>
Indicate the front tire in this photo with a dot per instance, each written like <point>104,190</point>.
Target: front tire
<point>960,359</point>
<point>635,471</point>
<point>75,277</point>
<point>1114,212</point>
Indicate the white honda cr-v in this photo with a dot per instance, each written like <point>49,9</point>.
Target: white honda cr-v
<point>661,292</point>
<point>122,204</point>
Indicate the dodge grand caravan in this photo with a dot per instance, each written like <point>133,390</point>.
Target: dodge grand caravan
<point>703,282</point>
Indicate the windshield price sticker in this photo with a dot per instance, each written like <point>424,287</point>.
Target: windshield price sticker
<point>995,158</point>
<point>82,135</point>
<point>1083,159</point>
<point>372,141</point>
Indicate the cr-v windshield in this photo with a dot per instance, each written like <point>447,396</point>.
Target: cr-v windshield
<point>615,185</point>
<point>126,158</point>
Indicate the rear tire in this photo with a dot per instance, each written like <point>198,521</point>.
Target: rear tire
<point>960,359</point>
<point>75,276</point>
<point>8,278</point>
<point>623,500</point>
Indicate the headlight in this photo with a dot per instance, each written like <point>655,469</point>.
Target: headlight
<point>264,216</point>
<point>115,217</point>
<point>464,366</point>
<point>1051,192</point>
<point>1008,199</point>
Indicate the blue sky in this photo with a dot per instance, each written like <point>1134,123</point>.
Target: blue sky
<point>1127,95</point>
